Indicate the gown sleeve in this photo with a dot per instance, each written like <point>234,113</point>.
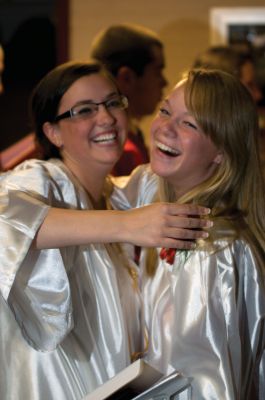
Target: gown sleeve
<point>33,282</point>
<point>251,310</point>
<point>135,190</point>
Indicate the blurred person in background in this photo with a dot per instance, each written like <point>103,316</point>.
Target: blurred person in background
<point>134,55</point>
<point>236,61</point>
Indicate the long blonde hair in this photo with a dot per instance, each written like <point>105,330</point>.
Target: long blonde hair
<point>226,112</point>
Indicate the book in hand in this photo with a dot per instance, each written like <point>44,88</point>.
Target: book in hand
<point>127,384</point>
<point>171,387</point>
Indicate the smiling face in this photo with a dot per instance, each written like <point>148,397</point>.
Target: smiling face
<point>180,151</point>
<point>89,142</point>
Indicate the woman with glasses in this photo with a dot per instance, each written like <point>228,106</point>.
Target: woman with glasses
<point>69,310</point>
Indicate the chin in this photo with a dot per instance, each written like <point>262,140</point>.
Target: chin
<point>164,173</point>
<point>159,171</point>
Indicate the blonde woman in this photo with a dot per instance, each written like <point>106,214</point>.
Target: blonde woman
<point>205,308</point>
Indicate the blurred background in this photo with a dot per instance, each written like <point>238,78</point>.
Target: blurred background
<point>39,34</point>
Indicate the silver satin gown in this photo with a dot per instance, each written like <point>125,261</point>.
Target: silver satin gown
<point>69,319</point>
<point>205,314</point>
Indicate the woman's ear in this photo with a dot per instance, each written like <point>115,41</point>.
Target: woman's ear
<point>126,79</point>
<point>53,134</point>
<point>218,158</point>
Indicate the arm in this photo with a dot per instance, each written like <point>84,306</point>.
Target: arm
<point>156,225</point>
<point>172,225</point>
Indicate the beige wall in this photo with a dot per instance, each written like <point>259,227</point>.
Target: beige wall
<point>182,25</point>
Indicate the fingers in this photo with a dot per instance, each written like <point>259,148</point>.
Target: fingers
<point>184,231</point>
<point>176,238</point>
<point>187,209</point>
<point>189,222</point>
<point>182,238</point>
<point>179,244</point>
<point>186,234</point>
<point>166,225</point>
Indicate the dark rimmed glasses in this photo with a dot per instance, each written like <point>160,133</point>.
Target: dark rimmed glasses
<point>88,109</point>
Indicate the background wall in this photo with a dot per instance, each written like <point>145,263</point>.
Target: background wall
<point>182,25</point>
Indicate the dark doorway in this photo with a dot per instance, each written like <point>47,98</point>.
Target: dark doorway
<point>37,43</point>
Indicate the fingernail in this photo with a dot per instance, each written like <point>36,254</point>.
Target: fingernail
<point>208,211</point>
<point>205,235</point>
<point>209,224</point>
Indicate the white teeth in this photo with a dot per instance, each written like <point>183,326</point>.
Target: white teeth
<point>105,138</point>
<point>166,149</point>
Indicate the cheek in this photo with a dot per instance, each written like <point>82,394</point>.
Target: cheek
<point>206,152</point>
<point>124,121</point>
<point>154,126</point>
<point>75,133</point>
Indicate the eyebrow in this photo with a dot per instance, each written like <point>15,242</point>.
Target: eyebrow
<point>185,114</point>
<point>165,101</point>
<point>109,96</point>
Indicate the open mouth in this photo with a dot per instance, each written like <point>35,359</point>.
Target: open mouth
<point>105,138</point>
<point>169,151</point>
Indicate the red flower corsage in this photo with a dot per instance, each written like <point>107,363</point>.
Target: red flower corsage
<point>168,255</point>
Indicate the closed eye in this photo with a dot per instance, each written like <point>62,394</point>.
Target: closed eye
<point>190,124</point>
<point>85,110</point>
<point>163,111</point>
<point>114,103</point>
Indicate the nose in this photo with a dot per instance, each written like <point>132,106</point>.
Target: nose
<point>104,116</point>
<point>168,127</point>
<point>169,132</point>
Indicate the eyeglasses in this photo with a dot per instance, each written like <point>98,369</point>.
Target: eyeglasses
<point>89,109</point>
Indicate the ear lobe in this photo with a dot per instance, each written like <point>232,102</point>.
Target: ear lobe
<point>218,159</point>
<point>125,76</point>
<point>52,133</point>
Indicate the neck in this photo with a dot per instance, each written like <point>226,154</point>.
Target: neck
<point>92,181</point>
<point>178,193</point>
<point>94,187</point>
<point>172,192</point>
